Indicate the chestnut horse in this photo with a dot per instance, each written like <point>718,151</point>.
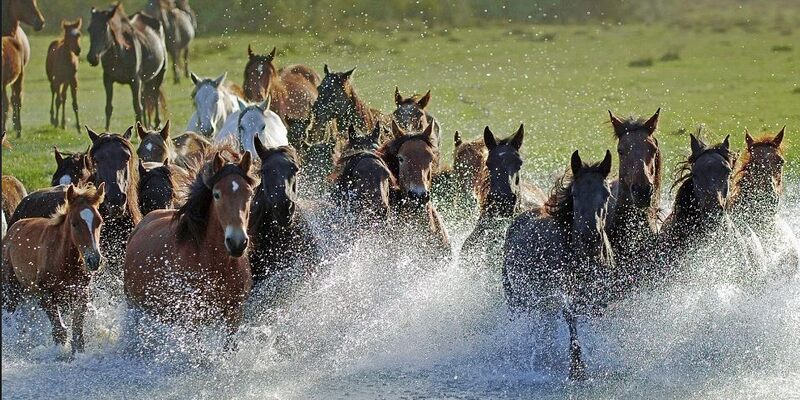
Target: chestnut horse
<point>410,159</point>
<point>62,72</point>
<point>155,146</point>
<point>189,265</point>
<point>457,187</point>
<point>293,88</point>
<point>71,168</point>
<point>13,194</point>
<point>54,258</point>
<point>411,114</point>
<point>16,53</point>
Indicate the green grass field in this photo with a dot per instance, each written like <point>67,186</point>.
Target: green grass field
<point>558,80</point>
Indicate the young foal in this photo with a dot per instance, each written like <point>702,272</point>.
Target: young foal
<point>16,53</point>
<point>62,72</point>
<point>187,265</point>
<point>155,146</point>
<point>54,258</point>
<point>557,258</point>
<point>71,168</point>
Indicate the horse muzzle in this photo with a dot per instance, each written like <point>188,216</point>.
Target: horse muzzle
<point>93,58</point>
<point>93,260</point>
<point>641,195</point>
<point>235,242</point>
<point>419,198</point>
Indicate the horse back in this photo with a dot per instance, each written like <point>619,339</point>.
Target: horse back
<point>40,204</point>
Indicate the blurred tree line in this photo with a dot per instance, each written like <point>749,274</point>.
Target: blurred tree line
<point>230,16</point>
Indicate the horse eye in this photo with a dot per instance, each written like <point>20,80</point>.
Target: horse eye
<point>217,195</point>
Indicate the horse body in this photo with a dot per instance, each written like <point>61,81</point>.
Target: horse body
<point>179,30</point>
<point>257,120</point>
<point>16,52</point>
<point>52,258</point>
<point>62,68</point>
<point>558,258</point>
<point>214,101</point>
<point>133,53</point>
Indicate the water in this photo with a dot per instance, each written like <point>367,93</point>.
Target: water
<point>376,329</point>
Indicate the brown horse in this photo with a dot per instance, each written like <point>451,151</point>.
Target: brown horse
<point>458,187</point>
<point>293,89</point>
<point>155,146</point>
<point>13,193</point>
<point>71,168</point>
<point>187,265</point>
<point>190,148</point>
<point>62,72</point>
<point>16,53</point>
<point>411,114</point>
<point>54,258</point>
<point>410,159</point>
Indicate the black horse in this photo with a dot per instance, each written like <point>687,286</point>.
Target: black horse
<point>133,53</point>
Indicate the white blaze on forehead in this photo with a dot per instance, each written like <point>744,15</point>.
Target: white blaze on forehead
<point>88,216</point>
<point>149,146</point>
<point>65,180</point>
<point>234,186</point>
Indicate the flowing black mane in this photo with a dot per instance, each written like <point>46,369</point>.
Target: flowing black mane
<point>684,197</point>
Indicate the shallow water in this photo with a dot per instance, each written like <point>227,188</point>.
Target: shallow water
<point>369,328</point>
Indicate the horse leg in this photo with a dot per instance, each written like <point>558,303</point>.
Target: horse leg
<point>577,368</point>
<point>108,83</point>
<point>156,83</point>
<point>51,308</point>
<point>175,55</point>
<point>5,110</point>
<point>78,315</point>
<point>16,102</point>
<point>63,105</point>
<point>53,91</point>
<point>136,93</point>
<point>186,61</point>
<point>233,318</point>
<point>73,88</point>
<point>12,290</point>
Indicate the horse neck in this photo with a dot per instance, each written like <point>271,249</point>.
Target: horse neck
<point>60,237</point>
<point>356,112</point>
<point>686,215</point>
<point>631,220</point>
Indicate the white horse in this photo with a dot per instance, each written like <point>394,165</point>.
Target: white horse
<point>242,126</point>
<point>213,103</point>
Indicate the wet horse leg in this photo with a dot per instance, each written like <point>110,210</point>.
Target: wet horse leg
<point>78,315</point>
<point>577,368</point>
<point>5,110</point>
<point>108,83</point>
<point>51,308</point>
<point>73,88</point>
<point>175,55</point>
<point>16,102</point>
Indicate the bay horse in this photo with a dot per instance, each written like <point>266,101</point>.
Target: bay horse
<point>133,53</point>
<point>634,209</point>
<point>251,121</point>
<point>410,159</point>
<point>411,113</point>
<point>61,67</point>
<point>558,257</point>
<point>189,148</point>
<point>16,53</point>
<point>157,190</point>
<point>214,100</point>
<point>338,102</point>
<point>457,187</point>
<point>293,88</point>
<point>155,145</point>
<point>698,211</point>
<point>179,30</point>
<point>283,245</point>
<point>54,259</point>
<point>71,168</point>
<point>189,265</point>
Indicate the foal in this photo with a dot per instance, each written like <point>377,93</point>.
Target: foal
<point>155,146</point>
<point>62,72</point>
<point>74,168</point>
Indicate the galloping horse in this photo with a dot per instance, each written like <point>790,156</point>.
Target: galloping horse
<point>190,148</point>
<point>214,100</point>
<point>459,187</point>
<point>411,114</point>
<point>133,53</point>
<point>157,185</point>
<point>179,30</point>
<point>252,121</point>
<point>293,88</point>
<point>16,53</point>
<point>557,258</point>
<point>62,72</point>
<point>282,237</point>
<point>410,159</point>
<point>54,258</point>
<point>71,168</point>
<point>635,205</point>
<point>194,271</point>
<point>155,146</point>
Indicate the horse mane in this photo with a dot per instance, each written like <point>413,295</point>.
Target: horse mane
<point>120,25</point>
<point>132,193</point>
<point>684,171</point>
<point>388,151</point>
<point>192,217</point>
<point>361,109</point>
<point>86,195</point>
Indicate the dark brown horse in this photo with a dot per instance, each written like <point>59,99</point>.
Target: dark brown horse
<point>557,257</point>
<point>283,242</point>
<point>155,145</point>
<point>54,258</point>
<point>133,53</point>
<point>411,114</point>
<point>634,208</point>
<point>410,159</point>
<point>179,30</point>
<point>293,89</point>
<point>62,72</point>
<point>338,102</point>
<point>189,265</point>
<point>16,53</point>
<point>457,188</point>
<point>157,187</point>
<point>71,168</point>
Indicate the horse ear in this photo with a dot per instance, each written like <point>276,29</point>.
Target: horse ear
<point>779,137</point>
<point>58,155</point>
<point>652,123</point>
<point>195,79</point>
<point>748,139</point>
<point>79,23</point>
<point>726,144</point>
<point>142,169</point>
<point>429,129</point>
<point>397,131</point>
<point>457,139</point>
<point>605,165</point>
<point>616,123</point>
<point>261,150</point>
<point>697,145</point>
<point>326,70</point>
<point>397,97</point>
<point>140,130</point>
<point>64,24</point>
<point>218,163</point>
<point>241,104</point>
<point>575,163</point>
<point>246,162</point>
<point>92,134</point>
<point>128,133</point>
<point>71,194</point>
<point>423,102</point>
<point>165,131</point>
<point>249,51</point>
<point>272,53</point>
<point>347,74</point>
<point>375,136</point>
<point>351,132</point>
<point>516,140</point>
<point>489,139</point>
<point>100,194</point>
<point>264,106</point>
<point>220,79</point>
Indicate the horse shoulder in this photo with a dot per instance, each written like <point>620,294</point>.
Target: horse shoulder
<point>275,132</point>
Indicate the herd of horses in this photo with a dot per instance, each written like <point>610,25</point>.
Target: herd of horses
<point>189,226</point>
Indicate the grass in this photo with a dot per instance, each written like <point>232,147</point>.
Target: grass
<point>497,76</point>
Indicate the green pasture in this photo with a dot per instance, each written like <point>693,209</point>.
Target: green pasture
<point>558,80</point>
